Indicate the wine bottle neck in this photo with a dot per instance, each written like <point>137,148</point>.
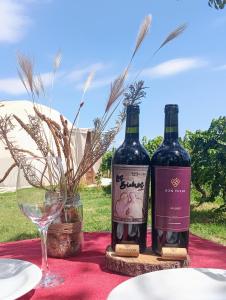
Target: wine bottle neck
<point>171,127</point>
<point>132,126</point>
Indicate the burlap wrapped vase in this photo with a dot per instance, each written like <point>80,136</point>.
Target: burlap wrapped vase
<point>65,235</point>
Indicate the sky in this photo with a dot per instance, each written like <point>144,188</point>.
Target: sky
<point>100,35</point>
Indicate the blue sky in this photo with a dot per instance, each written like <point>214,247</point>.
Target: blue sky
<point>100,35</point>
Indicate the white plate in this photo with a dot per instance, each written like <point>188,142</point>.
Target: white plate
<point>174,284</point>
<point>17,277</point>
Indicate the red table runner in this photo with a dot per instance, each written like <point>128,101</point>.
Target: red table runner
<point>86,277</point>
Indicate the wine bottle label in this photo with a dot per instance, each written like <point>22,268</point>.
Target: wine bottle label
<point>171,129</point>
<point>172,194</point>
<point>129,193</point>
<point>132,130</point>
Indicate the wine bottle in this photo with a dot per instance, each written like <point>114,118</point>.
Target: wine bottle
<point>130,186</point>
<point>170,188</point>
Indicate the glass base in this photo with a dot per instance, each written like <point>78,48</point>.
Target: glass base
<point>50,280</point>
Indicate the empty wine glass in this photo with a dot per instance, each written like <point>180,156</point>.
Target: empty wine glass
<point>41,194</point>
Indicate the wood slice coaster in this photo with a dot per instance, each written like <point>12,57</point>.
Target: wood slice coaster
<point>145,262</point>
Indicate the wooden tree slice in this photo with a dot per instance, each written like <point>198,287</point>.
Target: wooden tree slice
<point>145,262</point>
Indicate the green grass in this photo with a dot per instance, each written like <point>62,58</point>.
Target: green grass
<point>97,217</point>
<point>97,210</point>
<point>209,224</point>
<point>13,225</point>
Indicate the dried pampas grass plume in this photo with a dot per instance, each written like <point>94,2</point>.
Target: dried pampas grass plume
<point>116,89</point>
<point>85,88</point>
<point>144,28</point>
<point>33,83</point>
<point>57,61</point>
<point>26,72</point>
<point>88,82</point>
<point>174,34</point>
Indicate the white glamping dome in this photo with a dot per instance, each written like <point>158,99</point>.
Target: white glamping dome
<point>22,109</point>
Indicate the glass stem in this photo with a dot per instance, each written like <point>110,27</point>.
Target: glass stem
<point>43,235</point>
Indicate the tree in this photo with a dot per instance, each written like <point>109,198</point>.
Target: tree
<point>218,4</point>
<point>151,145</point>
<point>208,156</point>
<point>105,167</point>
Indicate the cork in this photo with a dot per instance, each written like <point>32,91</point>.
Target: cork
<point>127,250</point>
<point>169,253</point>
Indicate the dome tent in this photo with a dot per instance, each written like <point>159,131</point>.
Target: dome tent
<point>22,109</point>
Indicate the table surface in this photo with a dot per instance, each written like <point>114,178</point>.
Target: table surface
<point>86,277</point>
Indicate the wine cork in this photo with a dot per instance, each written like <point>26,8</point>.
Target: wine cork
<point>169,253</point>
<point>128,250</point>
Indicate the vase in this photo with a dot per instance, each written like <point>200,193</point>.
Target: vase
<point>65,235</point>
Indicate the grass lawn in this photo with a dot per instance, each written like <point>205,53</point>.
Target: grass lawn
<point>97,217</point>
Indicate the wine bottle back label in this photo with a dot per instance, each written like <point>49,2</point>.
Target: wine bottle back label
<point>129,193</point>
<point>172,194</point>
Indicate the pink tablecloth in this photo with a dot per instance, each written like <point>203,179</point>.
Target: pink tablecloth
<point>86,277</point>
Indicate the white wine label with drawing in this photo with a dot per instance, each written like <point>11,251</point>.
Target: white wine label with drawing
<point>130,184</point>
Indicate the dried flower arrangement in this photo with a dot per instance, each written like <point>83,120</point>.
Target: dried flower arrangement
<point>101,137</point>
<point>60,143</point>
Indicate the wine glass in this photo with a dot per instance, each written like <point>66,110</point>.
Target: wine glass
<point>41,194</point>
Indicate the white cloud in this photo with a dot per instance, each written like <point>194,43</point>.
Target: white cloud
<point>14,86</point>
<point>173,67</point>
<point>79,74</point>
<point>48,77</point>
<point>14,20</point>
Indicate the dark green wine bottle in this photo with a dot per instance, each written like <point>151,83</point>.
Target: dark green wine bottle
<point>170,188</point>
<point>130,186</point>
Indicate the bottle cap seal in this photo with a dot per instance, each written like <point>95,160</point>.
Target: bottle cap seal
<point>132,108</point>
<point>171,108</point>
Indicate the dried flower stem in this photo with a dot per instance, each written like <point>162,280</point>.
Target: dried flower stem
<point>8,172</point>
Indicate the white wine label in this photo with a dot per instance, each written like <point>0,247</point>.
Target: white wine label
<point>130,185</point>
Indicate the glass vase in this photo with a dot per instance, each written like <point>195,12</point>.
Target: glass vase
<point>65,235</point>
